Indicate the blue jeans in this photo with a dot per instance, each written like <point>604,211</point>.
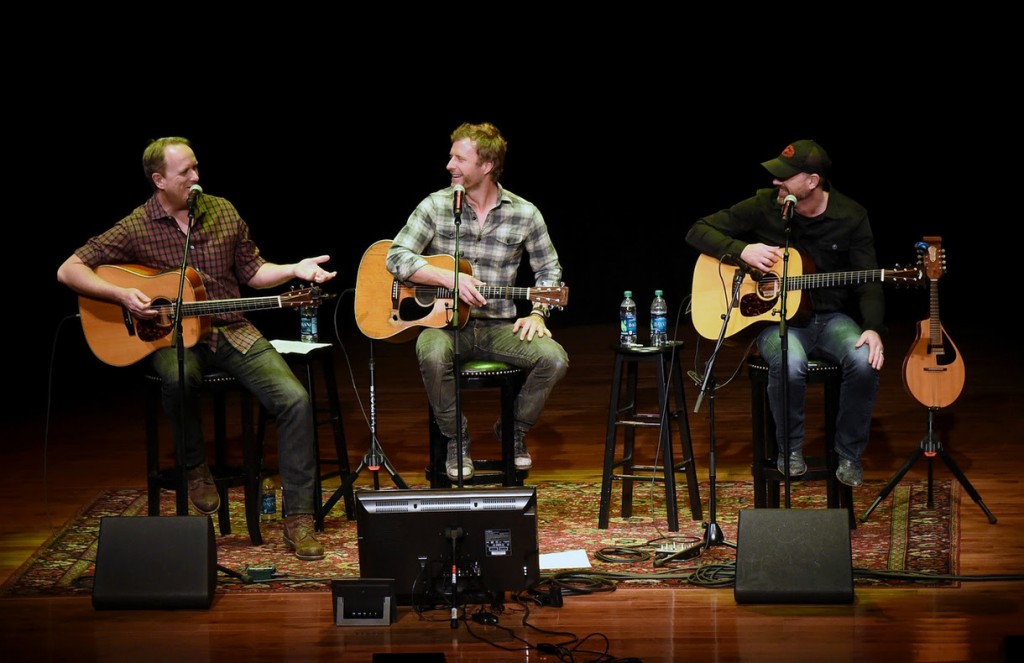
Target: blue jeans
<point>264,372</point>
<point>829,336</point>
<point>492,340</point>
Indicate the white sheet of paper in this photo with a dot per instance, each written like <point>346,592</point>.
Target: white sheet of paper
<point>570,559</point>
<point>296,347</point>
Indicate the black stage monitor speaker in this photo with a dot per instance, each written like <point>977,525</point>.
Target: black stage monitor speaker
<point>155,562</point>
<point>793,556</point>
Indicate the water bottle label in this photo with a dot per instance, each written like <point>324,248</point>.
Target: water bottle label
<point>628,323</point>
<point>308,327</point>
<point>659,324</point>
<point>268,504</point>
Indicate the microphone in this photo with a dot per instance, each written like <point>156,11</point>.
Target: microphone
<point>744,268</point>
<point>788,206</point>
<point>460,191</point>
<point>193,194</point>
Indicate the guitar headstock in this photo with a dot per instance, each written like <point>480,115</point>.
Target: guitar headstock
<point>312,295</point>
<point>551,295</point>
<point>905,275</point>
<point>932,256</point>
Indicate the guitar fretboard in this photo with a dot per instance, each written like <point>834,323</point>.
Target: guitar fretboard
<point>190,309</point>
<point>490,292</point>
<point>837,279</point>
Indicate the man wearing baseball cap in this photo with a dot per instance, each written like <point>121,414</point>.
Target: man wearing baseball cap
<point>830,230</point>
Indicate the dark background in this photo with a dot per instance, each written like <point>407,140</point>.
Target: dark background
<point>622,152</point>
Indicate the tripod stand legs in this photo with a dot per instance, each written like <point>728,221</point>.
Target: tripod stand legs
<point>930,447</point>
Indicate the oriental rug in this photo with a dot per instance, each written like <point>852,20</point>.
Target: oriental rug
<point>903,542</point>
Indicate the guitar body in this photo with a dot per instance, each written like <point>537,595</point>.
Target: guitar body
<point>119,339</point>
<point>758,300</point>
<point>934,376</point>
<point>405,315</point>
<point>396,311</point>
<point>933,370</point>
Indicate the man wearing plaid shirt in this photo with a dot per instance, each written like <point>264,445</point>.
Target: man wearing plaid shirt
<point>224,254</point>
<point>497,228</point>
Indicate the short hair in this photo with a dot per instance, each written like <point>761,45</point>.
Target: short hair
<point>153,160</point>
<point>490,144</point>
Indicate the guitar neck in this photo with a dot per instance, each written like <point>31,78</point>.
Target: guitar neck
<point>837,279</point>
<point>191,309</point>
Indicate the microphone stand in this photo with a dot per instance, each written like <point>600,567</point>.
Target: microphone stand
<point>784,352</point>
<point>712,532</point>
<point>456,325</point>
<point>181,501</point>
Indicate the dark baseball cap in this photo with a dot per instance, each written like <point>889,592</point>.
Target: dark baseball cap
<point>802,156</point>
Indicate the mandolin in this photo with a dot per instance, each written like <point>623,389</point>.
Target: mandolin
<point>933,371</point>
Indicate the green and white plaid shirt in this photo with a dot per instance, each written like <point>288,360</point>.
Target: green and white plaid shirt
<point>494,253</point>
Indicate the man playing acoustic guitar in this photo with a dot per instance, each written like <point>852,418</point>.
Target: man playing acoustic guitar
<point>224,255</point>
<point>499,228</point>
<point>833,231</point>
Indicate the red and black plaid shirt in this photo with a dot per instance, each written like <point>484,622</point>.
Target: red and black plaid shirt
<point>222,252</point>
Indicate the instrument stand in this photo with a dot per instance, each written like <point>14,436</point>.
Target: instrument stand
<point>374,458</point>
<point>931,446</point>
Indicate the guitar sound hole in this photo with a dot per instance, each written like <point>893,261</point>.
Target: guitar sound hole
<point>409,309</point>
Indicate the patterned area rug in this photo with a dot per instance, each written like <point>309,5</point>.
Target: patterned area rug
<point>902,539</point>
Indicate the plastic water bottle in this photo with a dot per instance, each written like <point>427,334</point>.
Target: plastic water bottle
<point>659,320</point>
<point>627,320</point>
<point>308,323</point>
<point>268,500</point>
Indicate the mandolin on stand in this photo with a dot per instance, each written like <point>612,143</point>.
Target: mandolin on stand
<point>933,371</point>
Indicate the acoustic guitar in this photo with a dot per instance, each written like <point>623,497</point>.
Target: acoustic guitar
<point>119,338</point>
<point>712,291</point>
<point>397,311</point>
<point>933,370</point>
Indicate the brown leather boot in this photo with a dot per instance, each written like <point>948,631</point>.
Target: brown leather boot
<point>202,491</point>
<point>300,535</point>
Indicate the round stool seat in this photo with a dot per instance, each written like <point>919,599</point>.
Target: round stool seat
<point>818,370</point>
<point>488,368</point>
<point>215,378</point>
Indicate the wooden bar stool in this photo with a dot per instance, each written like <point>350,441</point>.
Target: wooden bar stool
<point>767,478</point>
<point>303,358</point>
<point>483,375</point>
<point>218,384</point>
<point>623,414</point>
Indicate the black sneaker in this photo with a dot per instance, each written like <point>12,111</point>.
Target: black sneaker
<point>797,465</point>
<point>522,456</point>
<point>451,463</point>
<point>850,472</point>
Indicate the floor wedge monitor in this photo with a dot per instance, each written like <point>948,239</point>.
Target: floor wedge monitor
<point>155,562</point>
<point>793,556</point>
